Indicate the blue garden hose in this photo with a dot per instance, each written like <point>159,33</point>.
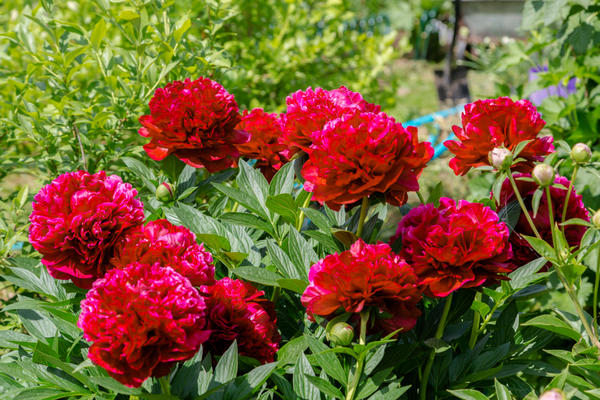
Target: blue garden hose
<point>439,148</point>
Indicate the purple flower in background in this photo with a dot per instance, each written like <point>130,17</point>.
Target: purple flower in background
<point>556,90</point>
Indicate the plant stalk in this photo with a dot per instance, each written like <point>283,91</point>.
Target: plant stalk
<point>569,190</point>
<point>596,284</point>
<point>438,335</point>
<point>165,386</point>
<point>475,327</point>
<point>522,204</point>
<point>78,137</point>
<point>301,215</point>
<point>364,207</point>
<point>364,318</point>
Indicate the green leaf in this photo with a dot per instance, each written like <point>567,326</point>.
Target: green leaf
<point>283,181</point>
<point>295,285</point>
<point>510,214</point>
<point>553,324</point>
<point>128,14</point>
<point>301,253</point>
<point>573,271</point>
<point>282,261</point>
<point>111,384</point>
<point>249,220</point>
<point>249,202</point>
<point>541,247</point>
<point>535,201</point>
<point>258,275</point>
<point>325,387</point>
<point>326,240</point>
<point>326,360</point>
<point>435,194</point>
<point>523,276</point>
<point>468,394</point>
<point>215,242</point>
<point>318,218</point>
<point>289,352</point>
<point>284,205</point>
<point>227,366</point>
<point>497,186</point>
<point>302,386</point>
<point>252,182</point>
<point>183,26</point>
<point>520,146</point>
<point>347,238</point>
<point>98,33</point>
<point>481,307</point>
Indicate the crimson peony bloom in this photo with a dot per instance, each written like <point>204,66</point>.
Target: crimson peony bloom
<point>501,122</point>
<point>455,246</point>
<point>575,209</point>
<point>76,221</point>
<point>266,143</point>
<point>361,154</point>
<point>308,111</point>
<point>142,320</point>
<point>171,246</point>
<point>367,275</point>
<point>195,121</point>
<point>237,311</point>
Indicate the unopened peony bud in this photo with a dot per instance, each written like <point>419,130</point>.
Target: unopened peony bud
<point>341,334</point>
<point>554,394</point>
<point>596,219</point>
<point>581,153</point>
<point>500,158</point>
<point>543,175</point>
<point>164,192</point>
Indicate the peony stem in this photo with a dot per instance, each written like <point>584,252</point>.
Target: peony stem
<point>570,290</point>
<point>522,204</point>
<point>364,318</point>
<point>569,190</point>
<point>364,207</point>
<point>596,283</point>
<point>475,327</point>
<point>301,215</point>
<point>438,335</point>
<point>165,386</point>
<point>420,196</point>
<point>78,137</point>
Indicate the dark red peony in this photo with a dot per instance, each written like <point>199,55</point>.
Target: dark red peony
<point>195,121</point>
<point>238,311</point>
<point>76,221</point>
<point>360,154</point>
<point>575,209</point>
<point>308,111</point>
<point>171,246</point>
<point>501,122</point>
<point>455,246</point>
<point>142,320</point>
<point>367,275</point>
<point>266,141</point>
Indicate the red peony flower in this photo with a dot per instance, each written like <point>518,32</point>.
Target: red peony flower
<point>501,122</point>
<point>194,120</point>
<point>575,209</point>
<point>266,144</point>
<point>361,154</point>
<point>237,311</point>
<point>455,246</point>
<point>76,221</point>
<point>367,275</point>
<point>308,111</point>
<point>142,320</point>
<point>170,246</point>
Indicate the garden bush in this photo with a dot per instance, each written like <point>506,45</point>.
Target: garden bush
<point>193,246</point>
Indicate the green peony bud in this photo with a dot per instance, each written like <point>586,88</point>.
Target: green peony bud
<point>596,219</point>
<point>341,334</point>
<point>164,192</point>
<point>581,153</point>
<point>500,158</point>
<point>543,175</point>
<point>554,394</point>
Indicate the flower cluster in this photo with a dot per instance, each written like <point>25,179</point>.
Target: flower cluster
<point>266,141</point>
<point>238,311</point>
<point>76,221</point>
<point>365,276</point>
<point>196,121</point>
<point>308,111</point>
<point>142,319</point>
<point>170,246</point>
<point>364,153</point>
<point>523,253</point>
<point>455,246</point>
<point>501,122</point>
